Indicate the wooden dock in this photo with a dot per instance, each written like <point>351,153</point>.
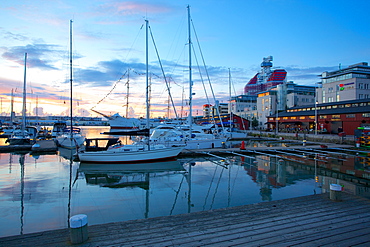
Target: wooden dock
<point>304,221</point>
<point>44,146</point>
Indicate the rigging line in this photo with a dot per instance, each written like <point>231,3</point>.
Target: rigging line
<point>129,51</point>
<point>236,176</point>
<point>205,67</point>
<point>209,189</point>
<point>177,195</point>
<point>114,86</point>
<point>216,189</point>
<point>204,87</point>
<point>231,83</point>
<point>201,76</point>
<point>165,79</point>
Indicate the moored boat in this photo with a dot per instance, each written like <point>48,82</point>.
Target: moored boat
<point>131,153</point>
<point>137,152</point>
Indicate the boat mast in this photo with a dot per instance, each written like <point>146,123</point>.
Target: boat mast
<point>231,114</point>
<point>190,117</point>
<point>128,91</point>
<point>147,75</point>
<point>70,71</point>
<point>11,108</point>
<point>24,96</point>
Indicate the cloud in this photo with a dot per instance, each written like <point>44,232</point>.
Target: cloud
<point>138,8</point>
<point>107,72</point>
<point>308,75</point>
<point>14,36</point>
<point>38,55</point>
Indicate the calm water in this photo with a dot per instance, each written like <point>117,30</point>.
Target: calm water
<point>41,192</point>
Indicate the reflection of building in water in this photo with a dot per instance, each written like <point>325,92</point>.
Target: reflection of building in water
<point>272,172</point>
<point>348,187</point>
<point>140,180</point>
<point>350,171</point>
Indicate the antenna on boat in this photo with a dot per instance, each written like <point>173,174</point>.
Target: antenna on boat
<point>147,79</point>
<point>70,71</point>
<point>190,120</point>
<point>24,96</point>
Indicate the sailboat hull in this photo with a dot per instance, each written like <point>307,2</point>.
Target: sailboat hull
<point>121,156</point>
<point>66,141</point>
<point>170,165</point>
<point>20,141</point>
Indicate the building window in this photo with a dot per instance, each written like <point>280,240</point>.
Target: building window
<point>302,117</point>
<point>360,96</point>
<point>323,117</point>
<point>360,86</point>
<point>311,117</point>
<point>335,116</point>
<point>350,116</point>
<point>365,114</point>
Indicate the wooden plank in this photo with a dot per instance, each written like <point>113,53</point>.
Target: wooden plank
<point>296,221</point>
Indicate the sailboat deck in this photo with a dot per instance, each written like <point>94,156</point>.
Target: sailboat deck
<point>306,221</point>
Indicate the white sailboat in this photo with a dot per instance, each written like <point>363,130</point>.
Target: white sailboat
<point>192,135</point>
<point>72,137</point>
<point>230,132</point>
<point>22,136</point>
<point>137,152</point>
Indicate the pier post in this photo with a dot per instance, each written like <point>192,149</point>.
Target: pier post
<point>242,146</point>
<point>78,224</point>
<point>335,192</point>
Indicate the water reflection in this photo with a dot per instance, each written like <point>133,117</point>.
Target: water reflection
<point>21,163</point>
<point>41,193</point>
<point>130,176</point>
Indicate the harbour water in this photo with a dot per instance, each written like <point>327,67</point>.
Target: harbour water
<point>41,192</point>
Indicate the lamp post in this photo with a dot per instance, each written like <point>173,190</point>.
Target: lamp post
<point>277,117</point>
<point>315,117</point>
<point>316,110</point>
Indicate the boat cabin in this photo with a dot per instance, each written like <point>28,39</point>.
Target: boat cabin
<point>100,144</point>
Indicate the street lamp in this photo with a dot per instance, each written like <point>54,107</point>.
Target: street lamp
<point>315,117</point>
<point>316,110</point>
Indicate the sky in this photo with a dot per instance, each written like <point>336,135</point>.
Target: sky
<point>229,40</point>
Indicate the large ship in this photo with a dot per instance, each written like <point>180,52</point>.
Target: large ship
<point>265,79</point>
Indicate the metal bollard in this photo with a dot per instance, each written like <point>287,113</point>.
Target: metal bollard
<point>335,192</point>
<point>78,224</point>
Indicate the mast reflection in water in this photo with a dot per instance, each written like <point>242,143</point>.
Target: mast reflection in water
<point>42,192</point>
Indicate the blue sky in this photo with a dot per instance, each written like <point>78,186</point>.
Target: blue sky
<point>305,38</point>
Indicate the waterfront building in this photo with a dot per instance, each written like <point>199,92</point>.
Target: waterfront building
<point>269,92</point>
<point>331,118</point>
<point>296,95</point>
<point>244,106</point>
<point>207,110</point>
<point>213,111</point>
<point>342,104</point>
<point>228,120</point>
<point>350,83</point>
